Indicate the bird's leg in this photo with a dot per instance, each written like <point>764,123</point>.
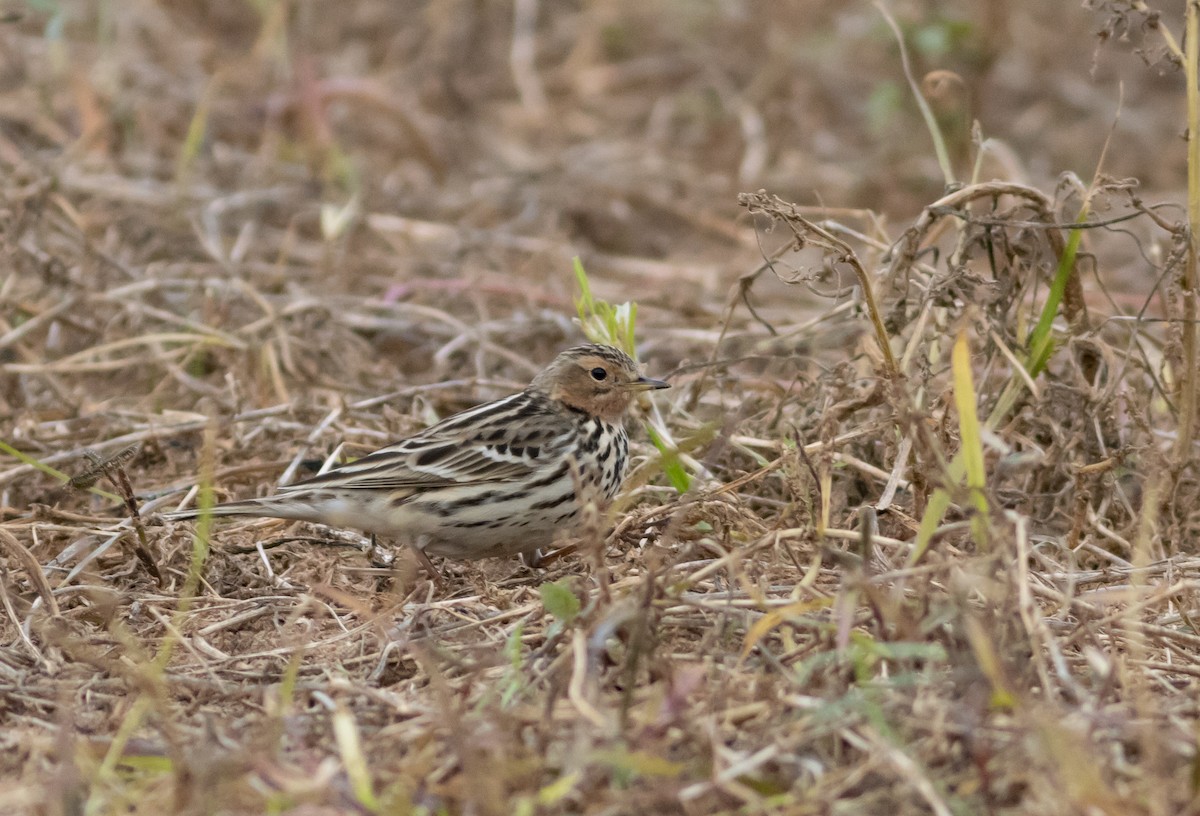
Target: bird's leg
<point>532,558</point>
<point>418,548</point>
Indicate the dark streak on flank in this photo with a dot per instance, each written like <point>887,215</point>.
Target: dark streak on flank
<point>554,501</point>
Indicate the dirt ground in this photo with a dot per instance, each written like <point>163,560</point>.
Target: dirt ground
<point>243,236</point>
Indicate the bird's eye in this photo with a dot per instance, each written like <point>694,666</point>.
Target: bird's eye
<point>599,373</point>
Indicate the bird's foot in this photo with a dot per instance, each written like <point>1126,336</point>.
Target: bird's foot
<point>532,558</point>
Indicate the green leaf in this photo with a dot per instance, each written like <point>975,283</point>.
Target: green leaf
<point>559,601</point>
<point>512,646</point>
<point>354,759</point>
<point>559,789</point>
<point>968,420</point>
<point>1041,340</point>
<point>601,321</point>
<point>672,465</point>
<point>514,682</point>
<point>584,304</point>
<point>969,434</point>
<point>938,504</point>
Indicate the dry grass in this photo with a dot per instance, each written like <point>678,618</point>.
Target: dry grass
<point>244,240</point>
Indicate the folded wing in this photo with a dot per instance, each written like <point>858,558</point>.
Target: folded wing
<point>492,443</point>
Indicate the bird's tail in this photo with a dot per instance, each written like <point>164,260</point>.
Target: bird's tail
<point>270,507</point>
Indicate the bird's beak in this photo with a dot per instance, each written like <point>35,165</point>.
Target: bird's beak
<point>647,384</point>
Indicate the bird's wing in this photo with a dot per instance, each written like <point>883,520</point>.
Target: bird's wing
<point>495,442</point>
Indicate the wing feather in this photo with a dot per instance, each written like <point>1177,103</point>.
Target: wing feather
<point>495,442</point>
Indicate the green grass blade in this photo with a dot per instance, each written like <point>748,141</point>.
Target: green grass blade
<point>672,465</point>
<point>1041,339</point>
<point>970,436</point>
<point>938,504</point>
<point>968,420</point>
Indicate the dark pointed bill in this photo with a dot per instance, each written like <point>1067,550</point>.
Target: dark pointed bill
<point>647,384</point>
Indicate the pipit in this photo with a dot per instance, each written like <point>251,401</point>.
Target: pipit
<point>503,478</point>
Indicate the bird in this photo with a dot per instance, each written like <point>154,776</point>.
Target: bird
<point>504,478</point>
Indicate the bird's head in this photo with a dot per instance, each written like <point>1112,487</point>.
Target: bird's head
<point>601,381</point>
